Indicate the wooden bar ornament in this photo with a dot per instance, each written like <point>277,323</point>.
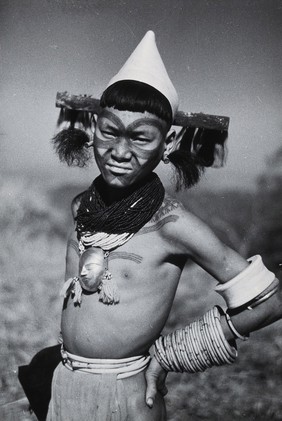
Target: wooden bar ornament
<point>183,119</point>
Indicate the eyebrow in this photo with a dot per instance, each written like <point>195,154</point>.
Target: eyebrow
<point>146,121</point>
<point>89,264</point>
<point>113,118</point>
<point>106,122</point>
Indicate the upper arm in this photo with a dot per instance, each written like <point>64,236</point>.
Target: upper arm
<point>75,204</point>
<point>195,239</point>
<point>72,253</point>
<point>72,256</point>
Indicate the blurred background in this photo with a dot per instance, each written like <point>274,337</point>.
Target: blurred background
<point>224,58</point>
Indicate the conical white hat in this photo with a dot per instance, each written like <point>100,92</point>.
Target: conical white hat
<point>145,65</point>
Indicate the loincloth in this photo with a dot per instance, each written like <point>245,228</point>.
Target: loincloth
<point>93,389</point>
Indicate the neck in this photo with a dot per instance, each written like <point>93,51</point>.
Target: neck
<point>113,194</point>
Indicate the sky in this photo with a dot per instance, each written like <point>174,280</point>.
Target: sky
<point>223,56</point>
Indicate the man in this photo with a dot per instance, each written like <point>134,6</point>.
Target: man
<point>142,238</point>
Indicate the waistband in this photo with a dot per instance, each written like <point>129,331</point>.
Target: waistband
<point>123,367</point>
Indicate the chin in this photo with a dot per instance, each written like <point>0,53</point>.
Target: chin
<point>118,183</point>
<point>121,186</point>
<point>89,286</point>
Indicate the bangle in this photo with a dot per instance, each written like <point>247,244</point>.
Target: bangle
<point>247,285</point>
<point>233,328</point>
<point>260,300</point>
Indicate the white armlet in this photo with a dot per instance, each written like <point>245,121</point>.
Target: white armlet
<point>247,285</point>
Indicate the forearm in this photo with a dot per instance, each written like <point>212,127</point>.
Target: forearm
<point>253,299</point>
<point>247,321</point>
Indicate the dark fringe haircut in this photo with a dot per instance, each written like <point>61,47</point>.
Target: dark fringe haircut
<point>131,95</point>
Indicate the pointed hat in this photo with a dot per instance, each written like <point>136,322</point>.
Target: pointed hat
<point>145,65</point>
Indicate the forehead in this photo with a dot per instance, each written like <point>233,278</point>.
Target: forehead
<point>88,258</point>
<point>132,119</point>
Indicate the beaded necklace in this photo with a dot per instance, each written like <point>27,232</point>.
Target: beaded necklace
<point>126,215</point>
<point>107,227</point>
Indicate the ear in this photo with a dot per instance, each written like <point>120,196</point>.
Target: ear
<point>94,119</point>
<point>170,142</point>
<point>89,143</point>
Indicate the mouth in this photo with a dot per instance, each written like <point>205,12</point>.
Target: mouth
<point>118,169</point>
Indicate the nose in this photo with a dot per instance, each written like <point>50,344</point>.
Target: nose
<point>83,271</point>
<point>121,150</point>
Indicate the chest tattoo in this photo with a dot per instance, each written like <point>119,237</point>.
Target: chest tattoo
<point>166,207</point>
<point>125,256</point>
<point>158,225</point>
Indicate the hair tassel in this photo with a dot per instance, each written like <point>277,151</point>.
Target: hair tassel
<point>209,147</point>
<point>199,148</point>
<point>70,142</point>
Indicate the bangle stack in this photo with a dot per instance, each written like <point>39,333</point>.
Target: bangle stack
<point>198,346</point>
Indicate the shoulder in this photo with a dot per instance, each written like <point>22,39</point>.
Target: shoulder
<point>173,209</point>
<point>169,206</point>
<point>170,219</point>
<point>181,228</point>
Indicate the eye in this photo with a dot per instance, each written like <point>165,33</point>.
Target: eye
<point>90,266</point>
<point>141,140</point>
<point>108,134</point>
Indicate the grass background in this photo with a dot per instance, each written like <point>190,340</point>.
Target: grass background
<point>33,222</point>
